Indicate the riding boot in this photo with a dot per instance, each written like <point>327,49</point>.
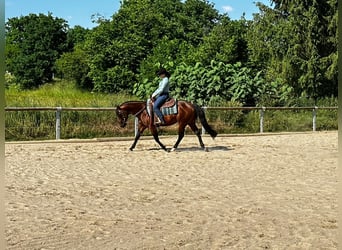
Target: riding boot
<point>160,121</point>
<point>160,116</point>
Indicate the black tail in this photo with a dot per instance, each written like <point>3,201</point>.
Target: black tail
<point>200,113</point>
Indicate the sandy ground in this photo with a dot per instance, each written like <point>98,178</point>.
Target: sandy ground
<point>247,192</point>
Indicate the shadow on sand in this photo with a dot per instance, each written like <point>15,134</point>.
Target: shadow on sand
<point>196,148</point>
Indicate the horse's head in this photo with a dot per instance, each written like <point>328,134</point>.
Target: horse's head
<point>122,116</point>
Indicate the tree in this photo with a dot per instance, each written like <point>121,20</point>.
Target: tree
<point>142,34</point>
<point>225,43</point>
<point>296,43</point>
<point>74,66</point>
<point>34,42</point>
<point>76,36</point>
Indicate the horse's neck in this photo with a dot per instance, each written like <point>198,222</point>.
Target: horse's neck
<point>134,107</point>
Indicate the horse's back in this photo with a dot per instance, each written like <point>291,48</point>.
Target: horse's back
<point>186,105</point>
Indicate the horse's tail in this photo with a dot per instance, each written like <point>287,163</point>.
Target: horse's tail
<point>200,113</point>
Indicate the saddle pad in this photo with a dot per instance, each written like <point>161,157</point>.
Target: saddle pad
<point>165,110</point>
<point>170,110</point>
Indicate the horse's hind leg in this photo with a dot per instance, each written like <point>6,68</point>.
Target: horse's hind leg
<point>195,129</point>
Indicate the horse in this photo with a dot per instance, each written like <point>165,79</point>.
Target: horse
<point>187,115</point>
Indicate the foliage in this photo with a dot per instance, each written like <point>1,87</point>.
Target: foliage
<point>225,43</point>
<point>76,36</point>
<point>73,66</point>
<point>287,53</point>
<point>34,42</point>
<point>211,85</point>
<point>141,34</point>
<point>9,79</point>
<point>296,42</point>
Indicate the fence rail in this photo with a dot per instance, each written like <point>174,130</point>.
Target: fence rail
<point>262,111</point>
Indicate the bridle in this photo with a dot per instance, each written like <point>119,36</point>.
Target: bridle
<point>124,114</point>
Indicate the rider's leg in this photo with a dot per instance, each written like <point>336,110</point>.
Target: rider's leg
<point>156,107</point>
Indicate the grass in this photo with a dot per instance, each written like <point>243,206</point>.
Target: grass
<point>28,125</point>
<point>64,94</point>
<point>33,125</point>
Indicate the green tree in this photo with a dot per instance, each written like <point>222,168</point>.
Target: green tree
<point>76,36</point>
<point>34,42</point>
<point>296,44</point>
<point>143,34</point>
<point>74,66</point>
<point>225,43</point>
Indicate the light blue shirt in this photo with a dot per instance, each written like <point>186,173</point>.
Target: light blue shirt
<point>163,88</point>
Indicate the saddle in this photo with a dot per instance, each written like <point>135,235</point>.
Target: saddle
<point>169,103</point>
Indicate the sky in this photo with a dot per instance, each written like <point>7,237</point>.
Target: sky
<point>79,12</point>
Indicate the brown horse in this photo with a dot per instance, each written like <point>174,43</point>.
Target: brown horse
<point>187,115</point>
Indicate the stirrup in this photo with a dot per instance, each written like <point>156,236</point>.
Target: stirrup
<point>159,122</point>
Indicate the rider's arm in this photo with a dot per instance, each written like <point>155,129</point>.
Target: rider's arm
<point>163,87</point>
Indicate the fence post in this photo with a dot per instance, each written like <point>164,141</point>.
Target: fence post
<point>262,111</point>
<point>314,118</point>
<point>203,129</point>
<point>58,123</point>
<point>136,127</point>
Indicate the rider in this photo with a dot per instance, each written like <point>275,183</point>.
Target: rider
<point>161,94</point>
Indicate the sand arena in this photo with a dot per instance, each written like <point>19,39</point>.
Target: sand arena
<point>246,192</point>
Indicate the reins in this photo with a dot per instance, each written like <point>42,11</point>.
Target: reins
<point>141,110</point>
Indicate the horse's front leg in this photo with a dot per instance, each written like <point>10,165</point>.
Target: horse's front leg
<point>156,138</point>
<point>139,132</point>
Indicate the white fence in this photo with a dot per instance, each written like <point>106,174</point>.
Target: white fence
<point>262,110</point>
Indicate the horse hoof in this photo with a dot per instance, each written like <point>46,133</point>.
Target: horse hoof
<point>172,149</point>
<point>130,149</point>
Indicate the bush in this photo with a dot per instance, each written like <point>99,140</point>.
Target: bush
<point>73,66</point>
<point>9,79</point>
